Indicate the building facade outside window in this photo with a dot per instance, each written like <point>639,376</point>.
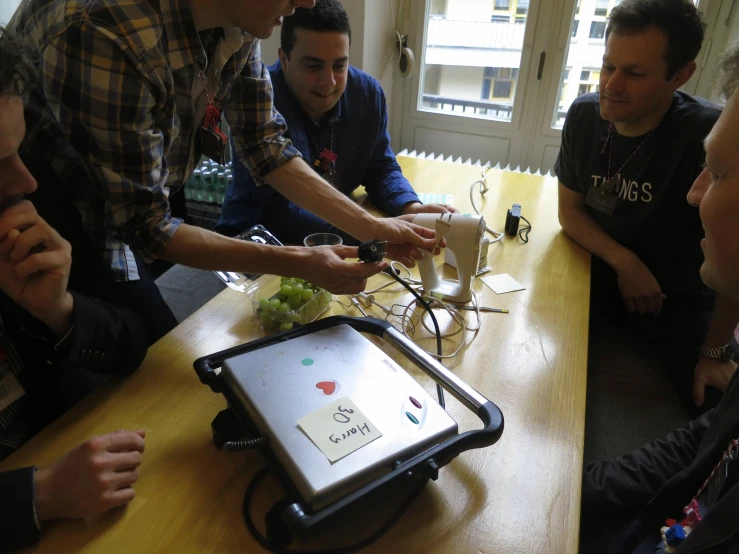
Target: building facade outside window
<point>473,56</point>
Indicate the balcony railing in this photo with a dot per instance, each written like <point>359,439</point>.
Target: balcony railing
<point>493,35</point>
<point>491,110</point>
<point>482,108</point>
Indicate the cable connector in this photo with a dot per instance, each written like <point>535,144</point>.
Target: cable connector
<point>372,250</point>
<point>367,299</point>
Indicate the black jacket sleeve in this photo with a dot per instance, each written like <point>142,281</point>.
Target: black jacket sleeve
<point>105,338</point>
<point>18,527</point>
<point>629,482</point>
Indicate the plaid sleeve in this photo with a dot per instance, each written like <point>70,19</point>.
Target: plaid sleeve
<point>256,126</point>
<point>108,110</point>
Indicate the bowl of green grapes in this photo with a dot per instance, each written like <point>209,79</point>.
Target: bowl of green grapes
<point>284,302</point>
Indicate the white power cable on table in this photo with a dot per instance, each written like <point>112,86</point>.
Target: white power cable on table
<point>406,315</point>
<point>483,190</point>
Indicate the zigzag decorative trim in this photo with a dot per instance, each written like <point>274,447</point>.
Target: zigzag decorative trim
<point>478,163</point>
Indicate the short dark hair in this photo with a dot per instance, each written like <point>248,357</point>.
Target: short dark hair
<point>680,20</point>
<point>326,16</point>
<point>17,70</point>
<point>728,71</point>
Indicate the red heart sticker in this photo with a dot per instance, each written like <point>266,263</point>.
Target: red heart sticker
<point>327,387</point>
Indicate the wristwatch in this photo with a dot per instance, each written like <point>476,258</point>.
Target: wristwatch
<point>723,353</point>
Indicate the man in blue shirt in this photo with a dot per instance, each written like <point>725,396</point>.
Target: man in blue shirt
<point>337,118</point>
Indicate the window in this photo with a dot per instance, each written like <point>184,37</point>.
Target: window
<point>498,83</point>
<point>601,7</point>
<point>562,97</point>
<point>502,89</point>
<point>575,26</point>
<point>597,29</point>
<point>471,58</point>
<point>589,80</point>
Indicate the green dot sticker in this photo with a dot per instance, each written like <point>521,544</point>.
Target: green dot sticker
<point>307,361</point>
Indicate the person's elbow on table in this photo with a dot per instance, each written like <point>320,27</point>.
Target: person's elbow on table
<point>569,203</point>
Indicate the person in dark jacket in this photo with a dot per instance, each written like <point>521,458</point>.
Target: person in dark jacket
<point>684,485</point>
<point>53,332</point>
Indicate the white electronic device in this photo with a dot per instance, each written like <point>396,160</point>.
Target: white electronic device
<point>464,235</point>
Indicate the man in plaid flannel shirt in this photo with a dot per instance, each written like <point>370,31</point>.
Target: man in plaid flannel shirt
<point>118,115</point>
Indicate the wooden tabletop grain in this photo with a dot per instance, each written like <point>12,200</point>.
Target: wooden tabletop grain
<point>521,495</point>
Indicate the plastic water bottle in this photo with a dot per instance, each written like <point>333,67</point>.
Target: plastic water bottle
<point>202,190</point>
<point>220,188</point>
<point>193,184</point>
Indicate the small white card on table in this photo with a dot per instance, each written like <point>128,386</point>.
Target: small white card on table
<point>502,283</point>
<point>339,428</point>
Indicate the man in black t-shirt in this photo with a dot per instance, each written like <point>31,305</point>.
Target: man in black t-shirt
<point>688,482</point>
<point>628,158</point>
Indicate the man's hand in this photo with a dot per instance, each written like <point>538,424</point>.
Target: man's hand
<point>405,238</point>
<point>90,479</point>
<point>326,267</point>
<point>640,290</point>
<point>709,372</point>
<point>413,208</point>
<point>34,266</point>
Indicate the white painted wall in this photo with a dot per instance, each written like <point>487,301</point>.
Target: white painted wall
<point>461,82</point>
<point>7,8</point>
<point>379,40</point>
<point>269,48</point>
<point>734,25</point>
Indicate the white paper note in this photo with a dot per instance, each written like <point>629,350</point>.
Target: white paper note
<point>339,428</point>
<point>502,283</point>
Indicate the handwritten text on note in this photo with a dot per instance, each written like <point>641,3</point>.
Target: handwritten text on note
<point>339,428</point>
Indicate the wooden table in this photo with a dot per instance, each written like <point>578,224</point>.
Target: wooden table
<point>521,495</point>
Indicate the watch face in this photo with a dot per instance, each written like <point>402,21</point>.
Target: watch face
<point>726,354</point>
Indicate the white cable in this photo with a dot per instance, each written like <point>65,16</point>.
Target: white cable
<point>483,190</point>
<point>455,315</point>
<point>414,283</point>
<point>434,302</point>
